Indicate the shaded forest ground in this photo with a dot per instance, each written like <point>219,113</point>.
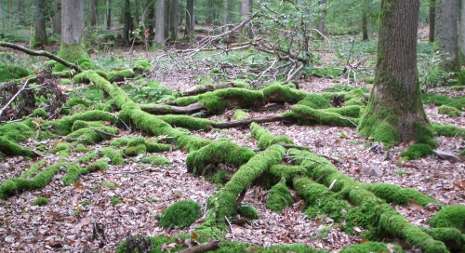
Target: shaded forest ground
<point>126,199</point>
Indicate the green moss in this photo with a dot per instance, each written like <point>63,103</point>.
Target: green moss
<point>188,122</point>
<point>417,151</point>
<point>81,148</point>
<point>11,148</point>
<point>379,127</point>
<point>128,140</point>
<point>204,161</point>
<point>92,135</point>
<point>19,184</point>
<point>10,72</point>
<point>439,100</point>
<point>371,247</point>
<point>135,150</point>
<point>449,111</point>
<point>217,101</point>
<point>155,160</point>
<point>88,157</point>
<point>450,216</point>
<point>282,94</point>
<point>355,97</point>
<point>64,125</point>
<point>120,75</point>
<point>142,65</point>
<point>286,171</point>
<point>348,111</point>
<point>320,200</point>
<point>73,172</point>
<point>115,155</point>
<point>315,101</point>
<point>17,131</point>
<point>181,214</point>
<point>40,113</point>
<point>100,164</point>
<point>115,200</point>
<point>308,116</point>
<point>79,124</point>
<point>63,149</point>
<point>41,201</point>
<point>398,195</point>
<point>278,198</point>
<point>74,53</point>
<point>265,138</point>
<point>184,101</point>
<point>248,212</point>
<point>448,130</point>
<point>240,114</point>
<point>452,237</point>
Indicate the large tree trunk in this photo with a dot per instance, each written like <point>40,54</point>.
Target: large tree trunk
<point>93,13</point>
<point>40,32</point>
<point>322,19</point>
<point>57,18</point>
<point>108,15</point>
<point>160,11</point>
<point>395,111</point>
<point>127,22</point>
<point>432,19</point>
<point>462,32</point>
<point>447,17</point>
<point>72,26</point>
<point>189,18</point>
<point>366,11</point>
<point>173,28</point>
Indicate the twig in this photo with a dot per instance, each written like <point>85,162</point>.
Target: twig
<point>14,96</point>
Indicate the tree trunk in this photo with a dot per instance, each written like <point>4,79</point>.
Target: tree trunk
<point>108,14</point>
<point>93,13</point>
<point>57,18</point>
<point>246,11</point>
<point>127,22</point>
<point>136,13</point>
<point>226,14</point>
<point>462,32</point>
<point>447,18</point>
<point>322,21</point>
<point>72,26</point>
<point>40,32</point>
<point>160,11</point>
<point>395,111</point>
<point>173,28</point>
<point>189,18</point>
<point>366,10</point>
<point>432,19</point>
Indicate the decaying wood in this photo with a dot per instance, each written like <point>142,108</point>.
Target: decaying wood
<point>171,109</point>
<point>247,122</point>
<point>212,245</point>
<point>41,53</point>
<point>202,89</point>
<point>14,97</point>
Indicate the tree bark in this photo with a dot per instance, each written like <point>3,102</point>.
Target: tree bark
<point>40,32</point>
<point>173,28</point>
<point>366,10</point>
<point>246,12</point>
<point>72,24</point>
<point>462,33</point>
<point>57,18</point>
<point>160,11</point>
<point>127,21</point>
<point>432,19</point>
<point>322,20</point>
<point>93,13</point>
<point>108,15</point>
<point>189,18</point>
<point>395,112</point>
<point>447,18</point>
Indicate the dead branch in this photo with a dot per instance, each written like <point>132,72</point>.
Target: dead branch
<point>202,89</point>
<point>246,122</point>
<point>40,53</point>
<point>212,245</point>
<point>171,109</point>
<point>14,96</point>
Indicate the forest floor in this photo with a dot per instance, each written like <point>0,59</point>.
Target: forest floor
<point>126,199</point>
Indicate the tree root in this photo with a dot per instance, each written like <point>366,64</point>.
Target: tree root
<point>212,245</point>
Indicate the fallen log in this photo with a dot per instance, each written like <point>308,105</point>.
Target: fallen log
<point>172,109</point>
<point>212,245</point>
<point>206,88</point>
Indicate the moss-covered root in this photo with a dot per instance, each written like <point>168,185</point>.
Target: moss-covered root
<point>30,180</point>
<point>417,151</point>
<point>395,194</point>
<point>450,216</point>
<point>378,213</point>
<point>73,172</point>
<point>265,138</point>
<point>64,125</point>
<point>448,130</point>
<point>11,148</point>
<point>308,116</point>
<point>452,237</point>
<point>181,214</point>
<point>282,94</point>
<point>188,122</point>
<point>278,197</point>
<point>320,200</point>
<point>204,162</point>
<point>92,135</point>
<point>223,203</point>
<point>372,247</point>
<point>449,111</point>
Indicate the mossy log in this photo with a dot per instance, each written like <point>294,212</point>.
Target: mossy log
<point>382,215</point>
<point>11,148</point>
<point>171,109</point>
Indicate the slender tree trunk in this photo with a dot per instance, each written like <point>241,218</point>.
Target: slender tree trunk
<point>432,19</point>
<point>127,29</point>
<point>366,11</point>
<point>226,15</point>
<point>395,111</point>
<point>462,33</point>
<point>447,19</point>
<point>136,13</point>
<point>93,13</point>
<point>108,15</point>
<point>20,11</point>
<point>322,21</point>
<point>189,18</point>
<point>57,18</point>
<point>40,34</point>
<point>174,19</point>
<point>160,10</point>
<point>246,11</point>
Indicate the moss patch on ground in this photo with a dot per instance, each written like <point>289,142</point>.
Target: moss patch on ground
<point>278,198</point>
<point>181,214</point>
<point>452,216</point>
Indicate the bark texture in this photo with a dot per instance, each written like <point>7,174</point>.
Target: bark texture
<point>160,10</point>
<point>72,21</point>
<point>432,19</point>
<point>395,112</point>
<point>189,17</point>
<point>447,18</point>
<point>128,25</point>
<point>57,18</point>
<point>366,11</point>
<point>40,33</point>
<point>93,13</point>
<point>173,28</point>
<point>108,14</point>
